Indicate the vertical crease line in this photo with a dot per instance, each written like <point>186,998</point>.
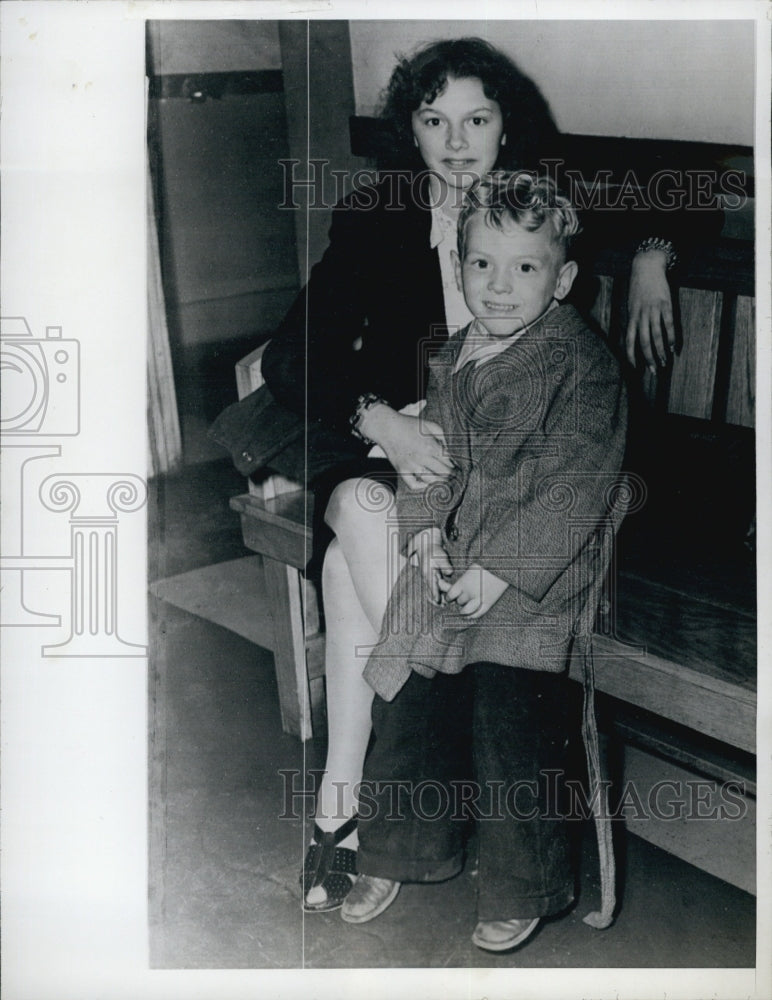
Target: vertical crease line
<point>306,683</point>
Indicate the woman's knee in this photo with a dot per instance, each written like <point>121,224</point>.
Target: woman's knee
<point>357,503</point>
<point>341,500</point>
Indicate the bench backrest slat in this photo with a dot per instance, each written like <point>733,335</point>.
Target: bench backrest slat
<point>741,401</point>
<point>693,377</point>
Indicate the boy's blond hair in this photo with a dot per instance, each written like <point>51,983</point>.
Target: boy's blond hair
<point>521,197</point>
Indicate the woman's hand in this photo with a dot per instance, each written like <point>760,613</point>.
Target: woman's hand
<point>414,446</point>
<point>650,309</point>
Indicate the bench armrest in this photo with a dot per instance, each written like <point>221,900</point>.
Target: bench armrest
<point>249,376</point>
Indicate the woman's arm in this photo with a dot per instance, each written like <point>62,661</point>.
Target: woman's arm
<point>656,229</point>
<point>649,309</point>
<point>415,446</point>
<point>310,365</point>
<point>671,239</point>
<point>313,365</point>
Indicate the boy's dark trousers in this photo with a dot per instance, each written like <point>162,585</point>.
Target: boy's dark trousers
<point>506,729</point>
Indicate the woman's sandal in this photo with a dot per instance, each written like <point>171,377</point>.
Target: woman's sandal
<point>329,866</point>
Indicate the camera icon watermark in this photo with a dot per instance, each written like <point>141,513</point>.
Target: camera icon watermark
<point>41,381</point>
<point>40,401</point>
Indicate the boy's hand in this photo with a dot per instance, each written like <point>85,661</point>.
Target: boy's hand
<point>475,591</point>
<point>433,561</point>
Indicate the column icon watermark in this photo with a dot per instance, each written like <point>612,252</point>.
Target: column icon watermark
<point>41,402</point>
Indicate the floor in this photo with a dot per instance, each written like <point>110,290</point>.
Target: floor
<point>226,844</point>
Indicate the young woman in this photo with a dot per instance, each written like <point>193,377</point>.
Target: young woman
<point>352,353</point>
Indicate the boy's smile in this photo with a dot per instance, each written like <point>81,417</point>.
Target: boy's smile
<point>510,278</point>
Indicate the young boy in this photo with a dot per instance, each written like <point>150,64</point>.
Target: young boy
<point>506,561</point>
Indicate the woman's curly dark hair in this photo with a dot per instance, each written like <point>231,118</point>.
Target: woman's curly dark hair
<point>528,124</point>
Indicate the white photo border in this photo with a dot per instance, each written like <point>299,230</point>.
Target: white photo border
<point>74,730</point>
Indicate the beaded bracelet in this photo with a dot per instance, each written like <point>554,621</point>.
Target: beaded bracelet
<point>363,404</point>
<point>657,243</point>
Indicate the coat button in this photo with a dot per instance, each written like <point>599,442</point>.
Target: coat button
<point>246,456</point>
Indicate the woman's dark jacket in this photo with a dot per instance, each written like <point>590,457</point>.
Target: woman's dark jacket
<point>378,285</point>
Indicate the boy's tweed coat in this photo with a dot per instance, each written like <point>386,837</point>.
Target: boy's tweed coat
<point>538,437</point>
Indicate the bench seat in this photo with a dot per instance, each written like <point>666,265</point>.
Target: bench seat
<point>683,657</point>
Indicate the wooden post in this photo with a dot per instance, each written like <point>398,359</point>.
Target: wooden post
<point>283,585</point>
<point>319,95</point>
<point>163,420</point>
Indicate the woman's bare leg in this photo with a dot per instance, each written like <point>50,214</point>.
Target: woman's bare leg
<point>349,697</point>
<point>361,513</point>
<point>356,581</point>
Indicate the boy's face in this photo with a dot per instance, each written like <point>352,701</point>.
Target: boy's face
<point>510,278</point>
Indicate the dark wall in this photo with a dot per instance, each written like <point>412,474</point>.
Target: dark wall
<point>229,101</point>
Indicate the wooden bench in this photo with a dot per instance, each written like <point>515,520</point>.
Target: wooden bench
<point>673,648</point>
<point>276,517</point>
<point>696,636</point>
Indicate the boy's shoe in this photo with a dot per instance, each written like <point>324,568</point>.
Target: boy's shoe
<point>501,935</point>
<point>369,897</point>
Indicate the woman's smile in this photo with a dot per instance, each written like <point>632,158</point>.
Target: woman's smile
<point>459,133</point>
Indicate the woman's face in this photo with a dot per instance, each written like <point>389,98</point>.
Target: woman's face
<point>459,133</point>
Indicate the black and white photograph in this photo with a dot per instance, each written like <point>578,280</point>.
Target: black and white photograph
<point>384,513</point>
